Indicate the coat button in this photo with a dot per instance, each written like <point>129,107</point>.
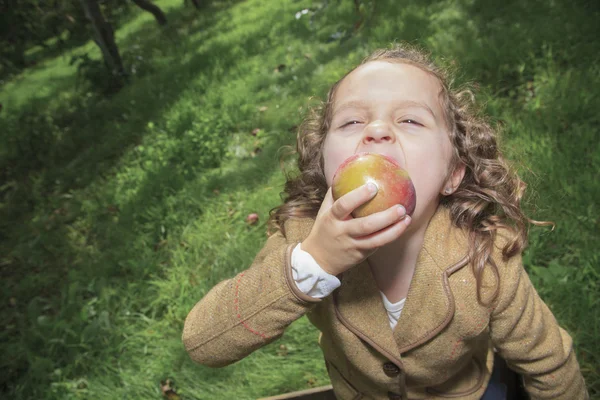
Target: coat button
<point>394,396</point>
<point>391,369</point>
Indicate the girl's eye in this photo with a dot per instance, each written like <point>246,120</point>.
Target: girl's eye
<point>410,121</point>
<point>353,122</point>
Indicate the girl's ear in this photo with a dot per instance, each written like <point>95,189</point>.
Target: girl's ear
<point>454,180</point>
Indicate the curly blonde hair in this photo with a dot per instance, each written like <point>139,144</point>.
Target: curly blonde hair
<point>487,199</point>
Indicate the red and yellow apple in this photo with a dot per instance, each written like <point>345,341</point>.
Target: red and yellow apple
<point>393,183</point>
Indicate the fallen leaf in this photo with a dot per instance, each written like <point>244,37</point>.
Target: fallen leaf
<point>60,211</point>
<point>168,391</point>
<point>283,351</point>
<point>311,381</point>
<point>299,14</point>
<point>263,108</point>
<point>252,219</point>
<point>160,244</point>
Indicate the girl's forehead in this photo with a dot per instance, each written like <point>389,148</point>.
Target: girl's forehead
<point>390,78</point>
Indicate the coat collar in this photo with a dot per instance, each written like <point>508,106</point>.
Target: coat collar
<point>429,305</point>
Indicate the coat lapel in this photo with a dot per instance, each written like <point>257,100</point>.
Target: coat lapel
<point>429,305</point>
<point>358,305</point>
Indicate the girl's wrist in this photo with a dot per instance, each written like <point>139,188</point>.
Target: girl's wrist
<point>307,246</point>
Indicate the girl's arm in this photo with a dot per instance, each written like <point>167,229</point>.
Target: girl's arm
<point>528,337</point>
<point>242,314</point>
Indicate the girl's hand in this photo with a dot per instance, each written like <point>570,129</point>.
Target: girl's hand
<point>338,241</point>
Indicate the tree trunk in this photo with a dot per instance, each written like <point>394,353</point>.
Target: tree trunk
<point>104,38</point>
<point>153,9</point>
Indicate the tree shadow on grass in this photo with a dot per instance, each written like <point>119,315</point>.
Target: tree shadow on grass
<point>543,57</point>
<point>91,137</point>
<point>509,36</point>
<point>249,172</point>
<point>73,143</point>
<point>165,182</point>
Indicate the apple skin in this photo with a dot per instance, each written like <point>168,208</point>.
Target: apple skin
<point>394,184</point>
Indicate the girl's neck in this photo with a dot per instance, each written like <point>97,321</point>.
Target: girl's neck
<point>393,265</point>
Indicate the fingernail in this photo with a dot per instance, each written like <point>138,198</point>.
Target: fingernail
<point>401,211</point>
<point>407,219</point>
<point>372,187</point>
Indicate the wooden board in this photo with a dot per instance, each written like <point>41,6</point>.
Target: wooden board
<point>320,393</point>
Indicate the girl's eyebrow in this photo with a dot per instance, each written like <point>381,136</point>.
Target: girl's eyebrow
<point>404,103</point>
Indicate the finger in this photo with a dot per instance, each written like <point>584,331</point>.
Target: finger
<point>385,236</point>
<point>344,206</point>
<point>364,226</point>
<point>327,202</point>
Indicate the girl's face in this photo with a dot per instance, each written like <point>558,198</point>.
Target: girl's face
<point>393,109</point>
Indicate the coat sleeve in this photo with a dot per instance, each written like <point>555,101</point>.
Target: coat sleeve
<point>252,309</point>
<point>528,337</point>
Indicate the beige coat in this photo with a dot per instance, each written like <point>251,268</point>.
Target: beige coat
<point>442,346</point>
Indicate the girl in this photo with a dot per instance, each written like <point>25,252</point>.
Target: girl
<point>409,307</point>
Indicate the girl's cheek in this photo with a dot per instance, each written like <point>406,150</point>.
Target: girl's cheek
<point>334,155</point>
<point>331,167</point>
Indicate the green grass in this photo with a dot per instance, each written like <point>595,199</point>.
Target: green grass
<point>120,212</point>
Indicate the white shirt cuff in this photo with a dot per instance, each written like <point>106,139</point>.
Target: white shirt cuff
<point>310,278</point>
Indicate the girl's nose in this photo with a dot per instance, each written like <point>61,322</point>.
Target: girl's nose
<point>378,132</point>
